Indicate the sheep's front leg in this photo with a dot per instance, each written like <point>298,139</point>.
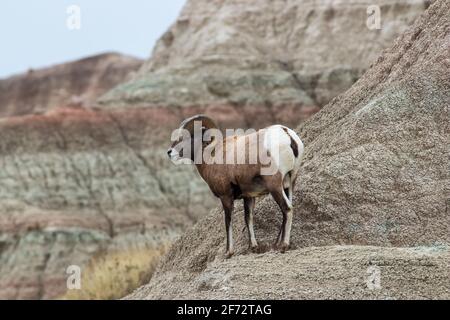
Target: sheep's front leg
<point>228,204</point>
<point>249,205</point>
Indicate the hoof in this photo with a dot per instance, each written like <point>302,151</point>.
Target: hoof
<point>284,247</point>
<point>254,249</point>
<point>228,255</point>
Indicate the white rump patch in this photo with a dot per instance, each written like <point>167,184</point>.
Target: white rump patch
<point>278,143</point>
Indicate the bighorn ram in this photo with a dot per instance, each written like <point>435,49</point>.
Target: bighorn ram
<point>199,140</point>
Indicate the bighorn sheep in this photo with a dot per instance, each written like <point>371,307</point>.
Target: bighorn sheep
<point>199,140</point>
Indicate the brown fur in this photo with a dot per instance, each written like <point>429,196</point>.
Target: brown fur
<point>246,176</point>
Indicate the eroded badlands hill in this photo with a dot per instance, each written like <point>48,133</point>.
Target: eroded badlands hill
<point>288,58</point>
<point>375,172</point>
<point>77,83</point>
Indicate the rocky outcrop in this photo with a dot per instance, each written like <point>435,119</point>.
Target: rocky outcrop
<point>375,172</point>
<point>289,56</point>
<point>77,83</point>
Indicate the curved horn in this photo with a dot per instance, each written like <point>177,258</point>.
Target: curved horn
<point>207,122</point>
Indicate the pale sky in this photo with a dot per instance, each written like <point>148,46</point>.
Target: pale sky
<point>34,33</point>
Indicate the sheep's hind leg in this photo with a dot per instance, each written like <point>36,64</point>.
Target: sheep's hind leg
<point>249,205</point>
<point>228,204</point>
<point>285,230</point>
<point>280,234</point>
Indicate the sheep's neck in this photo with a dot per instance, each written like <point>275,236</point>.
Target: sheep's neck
<point>202,167</point>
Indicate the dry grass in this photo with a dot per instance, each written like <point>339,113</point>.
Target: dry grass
<point>115,275</point>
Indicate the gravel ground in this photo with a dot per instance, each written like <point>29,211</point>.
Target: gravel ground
<point>336,272</point>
